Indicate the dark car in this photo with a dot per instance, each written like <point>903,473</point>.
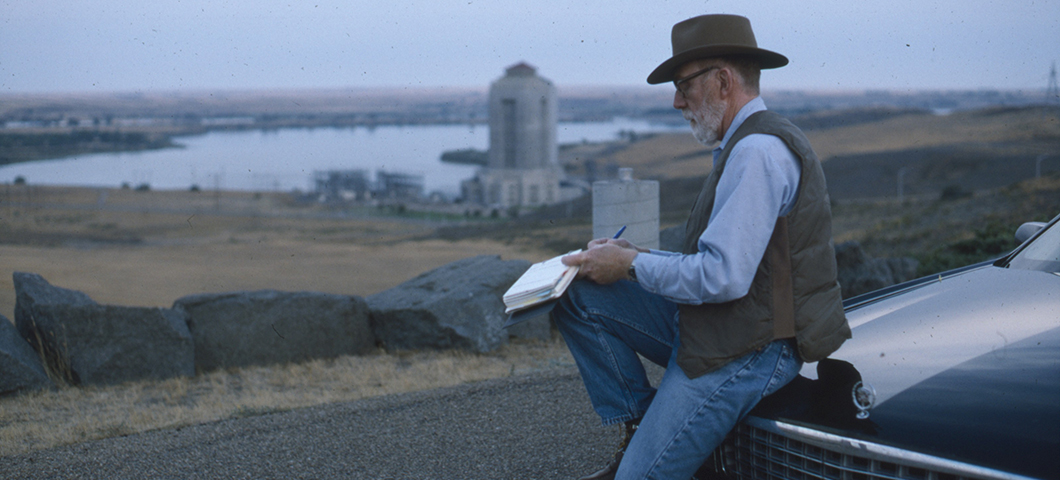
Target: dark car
<point>947,377</point>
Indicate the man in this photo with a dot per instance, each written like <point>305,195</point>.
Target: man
<point>752,295</point>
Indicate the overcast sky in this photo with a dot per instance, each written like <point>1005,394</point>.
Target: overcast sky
<point>136,45</point>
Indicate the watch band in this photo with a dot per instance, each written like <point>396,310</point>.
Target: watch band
<point>632,272</point>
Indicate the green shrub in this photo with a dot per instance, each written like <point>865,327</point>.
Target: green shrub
<point>994,240</point>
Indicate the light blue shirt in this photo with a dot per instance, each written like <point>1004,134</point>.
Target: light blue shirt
<point>759,185</point>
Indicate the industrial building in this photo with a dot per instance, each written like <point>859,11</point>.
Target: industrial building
<point>522,168</point>
<point>354,185</point>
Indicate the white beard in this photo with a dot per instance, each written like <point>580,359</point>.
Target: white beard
<point>706,122</point>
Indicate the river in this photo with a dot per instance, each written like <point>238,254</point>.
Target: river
<point>283,160</point>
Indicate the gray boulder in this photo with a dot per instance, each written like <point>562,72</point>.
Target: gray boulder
<point>20,367</point>
<point>268,327</point>
<point>87,343</point>
<point>33,293</point>
<point>458,306</point>
<point>859,273</point>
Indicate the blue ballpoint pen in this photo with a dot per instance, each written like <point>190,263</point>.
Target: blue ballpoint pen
<point>619,234</point>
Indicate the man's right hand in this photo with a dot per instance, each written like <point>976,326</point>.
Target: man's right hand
<point>604,262</point>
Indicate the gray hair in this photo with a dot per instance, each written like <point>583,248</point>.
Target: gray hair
<point>748,68</point>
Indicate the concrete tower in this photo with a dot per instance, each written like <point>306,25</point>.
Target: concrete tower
<point>522,113</point>
<point>522,168</point>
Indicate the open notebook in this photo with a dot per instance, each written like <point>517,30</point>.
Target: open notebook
<point>542,282</point>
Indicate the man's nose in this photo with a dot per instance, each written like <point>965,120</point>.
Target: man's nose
<point>679,100</point>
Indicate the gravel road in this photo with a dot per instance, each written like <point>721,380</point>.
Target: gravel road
<point>538,426</point>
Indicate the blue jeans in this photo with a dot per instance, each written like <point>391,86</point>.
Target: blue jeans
<point>684,419</point>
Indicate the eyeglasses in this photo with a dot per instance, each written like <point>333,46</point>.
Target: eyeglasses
<point>678,83</point>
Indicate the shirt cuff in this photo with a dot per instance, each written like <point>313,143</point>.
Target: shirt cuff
<point>646,266</point>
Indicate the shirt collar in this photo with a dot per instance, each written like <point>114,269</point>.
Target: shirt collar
<point>752,107</point>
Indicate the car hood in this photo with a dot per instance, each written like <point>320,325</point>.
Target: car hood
<point>904,339</point>
<point>966,367</point>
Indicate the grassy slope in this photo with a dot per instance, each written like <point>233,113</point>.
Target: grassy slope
<point>886,227</point>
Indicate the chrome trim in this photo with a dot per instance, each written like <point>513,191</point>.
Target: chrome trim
<point>854,303</point>
<point>877,452</point>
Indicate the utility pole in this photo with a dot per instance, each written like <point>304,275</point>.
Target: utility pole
<point>901,182</point>
<point>217,191</point>
<point>1052,92</point>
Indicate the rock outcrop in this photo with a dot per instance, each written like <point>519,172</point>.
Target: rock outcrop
<point>458,306</point>
<point>81,342</point>
<point>20,366</point>
<point>87,343</point>
<point>269,327</point>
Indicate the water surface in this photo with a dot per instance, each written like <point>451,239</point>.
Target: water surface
<point>282,160</point>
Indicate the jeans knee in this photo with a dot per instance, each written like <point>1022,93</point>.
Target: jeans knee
<point>567,309</point>
<point>573,300</point>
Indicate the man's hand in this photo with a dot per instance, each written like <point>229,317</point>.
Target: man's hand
<point>605,261</point>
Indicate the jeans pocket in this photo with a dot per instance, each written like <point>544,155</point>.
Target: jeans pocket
<point>787,367</point>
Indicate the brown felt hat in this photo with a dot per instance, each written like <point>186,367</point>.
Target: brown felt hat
<point>712,36</point>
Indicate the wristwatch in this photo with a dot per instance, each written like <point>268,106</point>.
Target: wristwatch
<point>632,272</point>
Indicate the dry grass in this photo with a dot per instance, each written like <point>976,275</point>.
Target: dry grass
<point>925,131</point>
<point>673,155</point>
<point>69,415</point>
<point>155,276</point>
<point>665,156</point>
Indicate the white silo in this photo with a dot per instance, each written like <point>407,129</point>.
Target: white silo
<point>522,168</point>
<point>522,111</point>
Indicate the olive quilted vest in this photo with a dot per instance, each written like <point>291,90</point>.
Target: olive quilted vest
<point>805,292</point>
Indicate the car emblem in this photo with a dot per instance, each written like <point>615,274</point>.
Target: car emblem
<point>864,399</point>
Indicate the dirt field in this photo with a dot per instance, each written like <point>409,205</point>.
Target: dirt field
<point>127,253</point>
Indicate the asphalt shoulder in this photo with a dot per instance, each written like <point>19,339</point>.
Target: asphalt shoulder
<point>535,426</point>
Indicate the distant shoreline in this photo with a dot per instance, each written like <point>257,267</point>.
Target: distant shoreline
<point>49,126</point>
<point>35,143</point>
<point>21,147</point>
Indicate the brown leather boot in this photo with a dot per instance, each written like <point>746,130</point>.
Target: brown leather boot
<point>608,472</point>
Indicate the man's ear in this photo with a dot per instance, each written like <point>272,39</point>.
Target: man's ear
<point>726,82</point>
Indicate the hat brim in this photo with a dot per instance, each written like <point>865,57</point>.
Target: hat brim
<point>665,72</point>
